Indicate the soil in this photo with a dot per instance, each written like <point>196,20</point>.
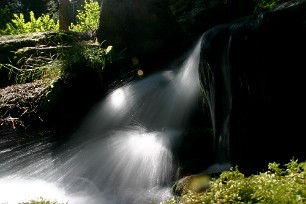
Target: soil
<point>19,102</point>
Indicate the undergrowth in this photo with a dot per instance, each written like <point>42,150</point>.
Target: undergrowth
<point>279,185</point>
<point>54,59</point>
<point>41,201</point>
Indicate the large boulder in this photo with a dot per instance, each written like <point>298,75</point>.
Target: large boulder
<point>142,29</point>
<point>197,16</point>
<point>253,83</point>
<point>154,31</point>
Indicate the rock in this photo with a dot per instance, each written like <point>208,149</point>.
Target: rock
<point>139,29</point>
<point>252,71</point>
<point>195,151</point>
<point>39,98</point>
<point>146,28</point>
<point>195,183</point>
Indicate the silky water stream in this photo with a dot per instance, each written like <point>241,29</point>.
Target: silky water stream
<point>120,154</point>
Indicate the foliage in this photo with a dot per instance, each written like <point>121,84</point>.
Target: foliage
<point>54,54</point>
<point>7,8</point>
<point>20,26</point>
<point>39,71</point>
<point>24,6</point>
<point>276,186</point>
<point>87,17</point>
<point>85,55</point>
<point>52,9</point>
<point>41,201</point>
<point>266,5</point>
<point>30,57</point>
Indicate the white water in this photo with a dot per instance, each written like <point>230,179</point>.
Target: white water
<point>120,154</point>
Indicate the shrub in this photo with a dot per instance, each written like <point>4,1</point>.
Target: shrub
<point>85,55</point>
<point>59,55</point>
<point>266,5</point>
<point>41,201</point>
<point>278,185</point>
<point>20,26</point>
<point>87,17</point>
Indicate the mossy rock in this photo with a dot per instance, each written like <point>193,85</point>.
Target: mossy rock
<point>195,183</point>
<point>52,99</point>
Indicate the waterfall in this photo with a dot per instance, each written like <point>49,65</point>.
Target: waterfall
<point>215,74</point>
<point>224,137</point>
<point>121,153</point>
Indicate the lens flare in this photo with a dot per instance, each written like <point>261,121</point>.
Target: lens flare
<point>118,98</point>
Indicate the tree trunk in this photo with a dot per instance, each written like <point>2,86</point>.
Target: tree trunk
<point>64,15</point>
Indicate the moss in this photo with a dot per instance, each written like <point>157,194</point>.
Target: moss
<point>52,99</point>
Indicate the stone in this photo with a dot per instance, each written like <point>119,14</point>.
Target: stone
<point>252,71</point>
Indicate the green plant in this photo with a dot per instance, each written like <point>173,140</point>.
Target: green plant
<point>278,185</point>
<point>24,75</point>
<point>87,17</point>
<point>20,26</point>
<point>59,55</point>
<point>86,55</point>
<point>42,201</point>
<point>266,5</point>
<point>29,67</point>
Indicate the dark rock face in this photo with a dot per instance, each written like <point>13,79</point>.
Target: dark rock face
<point>139,28</point>
<point>252,78</point>
<point>159,28</point>
<point>197,16</point>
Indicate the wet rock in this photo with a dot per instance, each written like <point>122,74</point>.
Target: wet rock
<point>252,74</point>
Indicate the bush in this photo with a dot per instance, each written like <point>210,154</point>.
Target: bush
<point>85,55</point>
<point>276,186</point>
<point>54,54</point>
<point>87,18</point>
<point>41,201</point>
<point>20,26</point>
<point>266,5</point>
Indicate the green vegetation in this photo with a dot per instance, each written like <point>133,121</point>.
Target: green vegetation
<point>10,7</point>
<point>87,17</point>
<point>90,55</point>
<point>41,201</point>
<point>278,185</point>
<point>41,24</point>
<point>87,20</point>
<point>52,55</point>
<point>35,53</point>
<point>266,5</point>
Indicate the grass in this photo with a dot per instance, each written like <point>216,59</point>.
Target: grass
<point>49,54</point>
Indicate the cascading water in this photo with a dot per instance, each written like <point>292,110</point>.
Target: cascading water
<point>120,154</point>
<point>223,147</point>
<point>218,103</point>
